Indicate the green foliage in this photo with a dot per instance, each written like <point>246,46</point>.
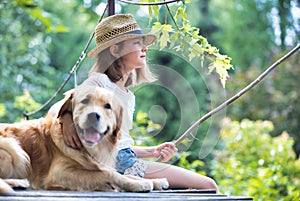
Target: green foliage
<point>2,110</point>
<point>255,164</point>
<point>24,56</point>
<point>249,31</point>
<point>187,40</point>
<point>195,166</point>
<point>45,19</point>
<point>25,101</point>
<point>277,98</point>
<point>241,36</point>
<point>37,52</point>
<point>143,129</point>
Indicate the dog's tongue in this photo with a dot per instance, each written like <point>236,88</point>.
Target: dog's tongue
<point>90,135</point>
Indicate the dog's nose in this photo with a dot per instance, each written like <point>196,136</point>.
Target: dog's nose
<point>94,116</point>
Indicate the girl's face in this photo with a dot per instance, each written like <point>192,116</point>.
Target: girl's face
<point>133,54</point>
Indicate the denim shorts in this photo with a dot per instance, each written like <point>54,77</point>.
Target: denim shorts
<point>128,164</point>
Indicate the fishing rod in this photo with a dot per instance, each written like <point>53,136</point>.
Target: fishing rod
<point>232,99</point>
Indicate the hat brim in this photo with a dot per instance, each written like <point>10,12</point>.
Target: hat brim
<point>148,40</point>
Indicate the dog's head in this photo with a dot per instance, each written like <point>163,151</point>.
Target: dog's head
<point>97,115</point>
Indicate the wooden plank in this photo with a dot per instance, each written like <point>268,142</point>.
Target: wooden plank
<point>181,195</point>
<point>206,191</point>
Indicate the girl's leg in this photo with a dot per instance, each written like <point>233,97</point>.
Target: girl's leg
<point>179,177</point>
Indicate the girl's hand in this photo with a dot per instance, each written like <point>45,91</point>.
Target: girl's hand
<point>166,150</point>
<point>70,136</point>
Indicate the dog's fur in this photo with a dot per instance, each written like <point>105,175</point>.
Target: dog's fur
<point>35,149</point>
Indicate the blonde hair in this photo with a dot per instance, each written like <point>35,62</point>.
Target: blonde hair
<point>107,64</point>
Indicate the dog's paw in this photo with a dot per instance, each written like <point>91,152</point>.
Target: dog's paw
<point>4,187</point>
<point>139,186</point>
<point>160,184</point>
<point>17,183</point>
<point>145,186</point>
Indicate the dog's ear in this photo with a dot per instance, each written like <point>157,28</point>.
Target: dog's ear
<point>67,104</point>
<point>119,119</point>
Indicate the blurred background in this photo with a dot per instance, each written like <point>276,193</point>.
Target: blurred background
<point>254,144</point>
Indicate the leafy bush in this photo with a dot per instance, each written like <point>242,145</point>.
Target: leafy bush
<point>255,164</point>
<point>143,130</point>
<point>277,98</point>
<point>195,166</point>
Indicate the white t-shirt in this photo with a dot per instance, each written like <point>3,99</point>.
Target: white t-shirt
<point>127,100</point>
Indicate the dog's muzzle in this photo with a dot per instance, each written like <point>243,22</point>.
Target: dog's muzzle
<point>93,131</point>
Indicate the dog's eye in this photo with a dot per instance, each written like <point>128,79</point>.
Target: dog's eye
<point>85,101</point>
<point>107,106</point>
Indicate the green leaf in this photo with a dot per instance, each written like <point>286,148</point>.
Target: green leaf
<point>141,117</point>
<point>165,38</point>
<point>40,15</point>
<point>186,39</point>
<point>2,110</point>
<point>60,28</point>
<point>157,27</point>
<point>195,51</point>
<point>26,102</point>
<point>26,3</point>
<point>181,14</point>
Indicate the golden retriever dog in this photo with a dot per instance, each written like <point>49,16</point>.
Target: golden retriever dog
<point>34,150</point>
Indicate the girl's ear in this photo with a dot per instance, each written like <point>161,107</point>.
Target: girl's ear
<point>114,50</point>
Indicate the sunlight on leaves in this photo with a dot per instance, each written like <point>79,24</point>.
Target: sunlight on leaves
<point>26,102</point>
<point>186,39</point>
<point>2,110</point>
<point>245,166</point>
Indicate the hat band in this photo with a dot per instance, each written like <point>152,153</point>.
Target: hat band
<point>133,32</point>
<point>130,32</point>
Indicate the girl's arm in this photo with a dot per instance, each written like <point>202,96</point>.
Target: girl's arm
<point>166,150</point>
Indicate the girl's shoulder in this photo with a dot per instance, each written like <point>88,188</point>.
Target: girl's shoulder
<point>99,78</point>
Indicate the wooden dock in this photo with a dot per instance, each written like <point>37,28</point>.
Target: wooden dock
<point>166,195</point>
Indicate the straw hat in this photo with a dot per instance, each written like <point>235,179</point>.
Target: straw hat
<point>115,29</point>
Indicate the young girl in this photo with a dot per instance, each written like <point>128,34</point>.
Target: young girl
<point>121,62</point>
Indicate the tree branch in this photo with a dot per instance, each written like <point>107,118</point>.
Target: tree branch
<point>235,97</point>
